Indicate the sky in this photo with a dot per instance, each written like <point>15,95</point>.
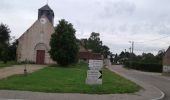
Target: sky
<point>146,22</point>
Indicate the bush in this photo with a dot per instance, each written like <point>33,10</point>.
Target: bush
<point>150,67</point>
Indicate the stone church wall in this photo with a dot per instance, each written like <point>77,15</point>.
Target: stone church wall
<point>38,33</point>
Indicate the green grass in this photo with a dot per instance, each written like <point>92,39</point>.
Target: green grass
<point>68,80</point>
<point>8,64</point>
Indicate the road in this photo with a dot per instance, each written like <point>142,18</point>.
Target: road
<point>155,79</point>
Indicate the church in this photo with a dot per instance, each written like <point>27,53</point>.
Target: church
<point>33,45</point>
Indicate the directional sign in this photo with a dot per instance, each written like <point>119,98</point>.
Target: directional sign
<point>94,75</point>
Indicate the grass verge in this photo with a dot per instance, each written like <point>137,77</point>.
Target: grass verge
<point>68,80</point>
<point>8,64</point>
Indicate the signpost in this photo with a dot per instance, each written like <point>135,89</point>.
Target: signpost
<point>94,74</point>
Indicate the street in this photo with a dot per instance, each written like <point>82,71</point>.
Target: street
<point>155,79</point>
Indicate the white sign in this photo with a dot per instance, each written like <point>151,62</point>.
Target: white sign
<point>94,75</point>
<point>95,64</point>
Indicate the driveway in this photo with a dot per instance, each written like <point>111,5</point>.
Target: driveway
<point>18,69</point>
<point>154,79</point>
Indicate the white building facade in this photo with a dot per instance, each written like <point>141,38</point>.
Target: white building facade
<point>33,45</point>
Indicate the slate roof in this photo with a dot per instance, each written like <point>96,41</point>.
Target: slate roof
<point>46,7</point>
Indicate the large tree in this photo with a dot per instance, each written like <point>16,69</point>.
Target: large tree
<point>94,43</point>
<point>64,48</point>
<point>4,42</point>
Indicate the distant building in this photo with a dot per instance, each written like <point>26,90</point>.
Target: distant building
<point>166,62</point>
<point>33,45</point>
<point>86,55</point>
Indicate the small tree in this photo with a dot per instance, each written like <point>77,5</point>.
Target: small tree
<point>64,48</point>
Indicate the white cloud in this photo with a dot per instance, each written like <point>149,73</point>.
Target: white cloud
<point>117,21</point>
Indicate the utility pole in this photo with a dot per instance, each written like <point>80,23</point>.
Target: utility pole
<point>132,46</point>
<point>130,50</point>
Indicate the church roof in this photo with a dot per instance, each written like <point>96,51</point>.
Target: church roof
<point>46,7</point>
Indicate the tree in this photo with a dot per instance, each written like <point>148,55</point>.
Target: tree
<point>12,50</point>
<point>64,48</point>
<point>105,51</point>
<point>160,55</point>
<point>111,57</point>
<point>116,58</point>
<point>94,43</point>
<point>4,42</point>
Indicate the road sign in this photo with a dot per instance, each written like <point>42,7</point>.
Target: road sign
<point>95,64</point>
<point>94,75</point>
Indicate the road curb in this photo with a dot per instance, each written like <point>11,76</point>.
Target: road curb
<point>157,98</point>
<point>162,94</point>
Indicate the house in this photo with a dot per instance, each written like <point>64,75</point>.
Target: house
<point>166,62</point>
<point>86,55</point>
<point>33,45</point>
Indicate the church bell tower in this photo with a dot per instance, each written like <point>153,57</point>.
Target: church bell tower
<point>47,11</point>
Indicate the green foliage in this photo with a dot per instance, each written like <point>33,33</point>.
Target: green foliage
<point>150,67</point>
<point>8,64</point>
<point>4,42</point>
<point>64,48</point>
<point>4,34</point>
<point>94,44</point>
<point>68,80</point>
<point>144,62</point>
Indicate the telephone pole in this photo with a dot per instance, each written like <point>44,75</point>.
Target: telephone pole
<point>132,46</point>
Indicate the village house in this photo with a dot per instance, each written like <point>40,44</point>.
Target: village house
<point>166,62</point>
<point>33,45</point>
<point>86,55</point>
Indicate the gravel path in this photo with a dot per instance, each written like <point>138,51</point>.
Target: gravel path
<point>18,69</point>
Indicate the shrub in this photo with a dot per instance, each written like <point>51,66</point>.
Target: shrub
<point>150,67</point>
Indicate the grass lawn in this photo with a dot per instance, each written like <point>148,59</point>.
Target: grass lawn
<point>8,64</point>
<point>68,80</point>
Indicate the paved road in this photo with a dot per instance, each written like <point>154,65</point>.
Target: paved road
<point>155,79</point>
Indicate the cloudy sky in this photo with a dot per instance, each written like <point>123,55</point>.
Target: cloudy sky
<point>146,22</point>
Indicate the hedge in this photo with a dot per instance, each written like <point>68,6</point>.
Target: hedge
<point>149,67</point>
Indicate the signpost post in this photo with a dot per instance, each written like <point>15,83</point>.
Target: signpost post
<point>94,74</point>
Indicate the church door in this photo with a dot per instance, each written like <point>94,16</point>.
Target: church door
<point>40,56</point>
